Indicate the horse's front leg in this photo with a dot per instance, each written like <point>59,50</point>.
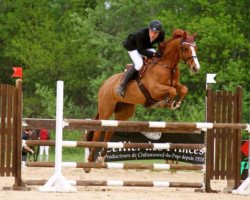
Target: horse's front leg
<point>167,93</point>
<point>103,152</point>
<point>182,90</point>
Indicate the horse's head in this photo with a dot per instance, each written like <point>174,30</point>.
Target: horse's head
<point>186,47</point>
<point>187,51</point>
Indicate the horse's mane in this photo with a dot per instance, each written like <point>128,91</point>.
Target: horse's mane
<point>177,33</point>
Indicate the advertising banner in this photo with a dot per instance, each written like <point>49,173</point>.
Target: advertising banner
<point>195,156</point>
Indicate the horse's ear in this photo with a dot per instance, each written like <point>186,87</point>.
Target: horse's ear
<point>184,34</point>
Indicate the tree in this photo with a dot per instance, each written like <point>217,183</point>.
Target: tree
<point>80,42</point>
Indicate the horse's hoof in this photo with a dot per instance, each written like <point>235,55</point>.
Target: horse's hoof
<point>90,160</point>
<point>100,159</point>
<point>87,170</point>
<point>175,105</point>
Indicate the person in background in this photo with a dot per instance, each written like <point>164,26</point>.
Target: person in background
<point>26,149</point>
<point>44,135</point>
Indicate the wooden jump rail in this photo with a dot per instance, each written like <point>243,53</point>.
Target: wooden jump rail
<point>123,183</point>
<point>132,126</point>
<point>119,166</point>
<point>151,124</point>
<point>169,146</point>
<point>50,124</point>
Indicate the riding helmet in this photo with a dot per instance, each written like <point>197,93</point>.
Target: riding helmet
<point>155,25</point>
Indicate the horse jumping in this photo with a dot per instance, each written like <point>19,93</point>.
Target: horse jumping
<point>161,80</point>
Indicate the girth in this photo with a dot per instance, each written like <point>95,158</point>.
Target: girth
<point>149,100</point>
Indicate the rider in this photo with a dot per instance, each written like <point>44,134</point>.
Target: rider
<point>140,44</point>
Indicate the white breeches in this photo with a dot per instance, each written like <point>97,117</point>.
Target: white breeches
<point>137,58</point>
<point>42,149</point>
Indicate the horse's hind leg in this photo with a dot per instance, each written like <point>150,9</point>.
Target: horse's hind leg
<point>92,150</point>
<point>88,136</point>
<point>103,152</point>
<point>124,112</point>
<point>103,114</point>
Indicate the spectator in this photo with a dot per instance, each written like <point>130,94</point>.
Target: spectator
<point>44,135</point>
<point>25,150</point>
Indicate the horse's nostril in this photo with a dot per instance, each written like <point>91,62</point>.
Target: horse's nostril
<point>195,69</point>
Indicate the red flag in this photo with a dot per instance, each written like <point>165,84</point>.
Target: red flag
<point>18,72</point>
<point>245,148</point>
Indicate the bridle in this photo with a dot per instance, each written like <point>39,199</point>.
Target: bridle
<point>181,50</point>
<point>183,55</point>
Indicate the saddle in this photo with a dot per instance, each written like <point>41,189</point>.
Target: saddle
<point>147,65</point>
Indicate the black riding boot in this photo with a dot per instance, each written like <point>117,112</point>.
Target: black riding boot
<point>129,74</point>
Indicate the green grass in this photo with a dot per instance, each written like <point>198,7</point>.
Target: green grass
<point>77,157</point>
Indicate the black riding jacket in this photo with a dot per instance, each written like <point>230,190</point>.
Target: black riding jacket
<point>140,41</point>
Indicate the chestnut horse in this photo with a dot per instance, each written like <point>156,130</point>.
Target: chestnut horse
<point>161,80</point>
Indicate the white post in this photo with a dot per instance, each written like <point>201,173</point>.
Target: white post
<point>57,183</point>
<point>210,79</point>
<point>244,188</point>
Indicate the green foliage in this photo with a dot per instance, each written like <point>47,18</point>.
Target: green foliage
<point>80,42</point>
<point>48,102</point>
<point>46,107</point>
<point>187,112</point>
<point>69,154</point>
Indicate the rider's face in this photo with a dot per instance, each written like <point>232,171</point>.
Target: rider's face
<point>153,34</point>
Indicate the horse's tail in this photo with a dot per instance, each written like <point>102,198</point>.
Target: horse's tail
<point>88,136</point>
<point>97,116</point>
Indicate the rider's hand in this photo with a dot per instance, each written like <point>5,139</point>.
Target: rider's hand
<point>157,54</point>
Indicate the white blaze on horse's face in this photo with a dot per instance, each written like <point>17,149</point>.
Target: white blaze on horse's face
<point>195,65</point>
<point>189,55</point>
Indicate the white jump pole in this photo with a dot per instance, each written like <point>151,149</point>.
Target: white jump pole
<point>57,183</point>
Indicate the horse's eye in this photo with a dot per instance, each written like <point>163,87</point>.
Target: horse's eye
<point>185,48</point>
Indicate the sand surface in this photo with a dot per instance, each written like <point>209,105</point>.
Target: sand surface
<point>116,193</point>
